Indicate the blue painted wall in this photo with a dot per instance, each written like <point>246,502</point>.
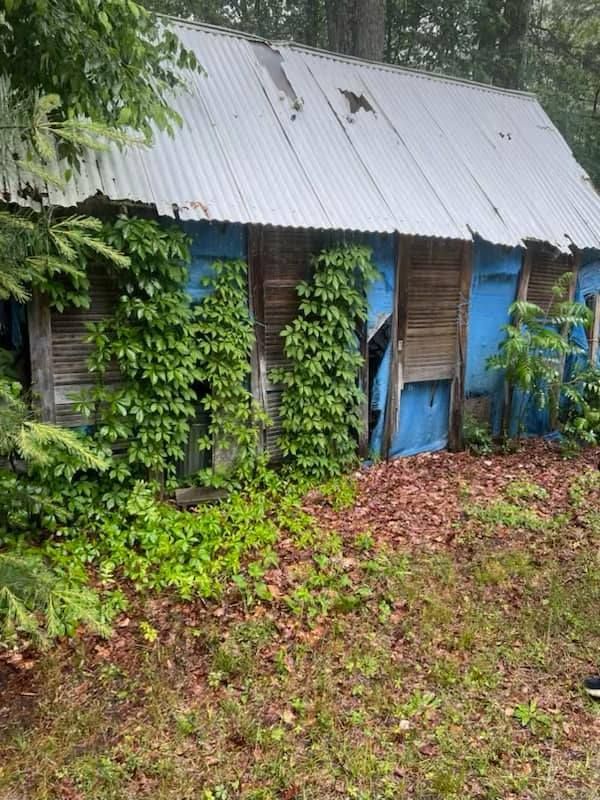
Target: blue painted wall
<point>212,241</point>
<point>493,288</point>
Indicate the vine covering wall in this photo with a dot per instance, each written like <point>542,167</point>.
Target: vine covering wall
<point>322,399</point>
<point>172,356</point>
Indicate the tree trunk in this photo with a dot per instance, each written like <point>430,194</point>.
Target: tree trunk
<point>512,46</point>
<point>340,25</point>
<point>369,20</point>
<point>489,28</point>
<point>356,27</point>
<point>312,22</point>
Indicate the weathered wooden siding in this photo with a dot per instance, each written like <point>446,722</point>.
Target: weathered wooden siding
<point>70,351</point>
<point>547,266</point>
<point>284,261</point>
<point>432,310</point>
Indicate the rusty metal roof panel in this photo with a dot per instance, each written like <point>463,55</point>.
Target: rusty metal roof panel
<point>280,134</point>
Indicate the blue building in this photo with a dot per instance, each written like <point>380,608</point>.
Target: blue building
<point>466,193</point>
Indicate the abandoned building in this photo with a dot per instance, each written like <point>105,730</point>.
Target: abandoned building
<point>467,194</point>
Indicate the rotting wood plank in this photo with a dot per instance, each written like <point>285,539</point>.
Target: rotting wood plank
<point>198,495</point>
<point>397,339</point>
<point>457,397</point>
<point>40,353</point>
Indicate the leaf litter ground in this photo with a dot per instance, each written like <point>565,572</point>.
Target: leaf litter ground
<point>426,637</point>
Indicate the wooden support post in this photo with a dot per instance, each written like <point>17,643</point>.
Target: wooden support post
<point>524,275</point>
<point>522,288</point>
<point>397,339</point>
<point>256,305</point>
<point>457,395</point>
<point>40,354</point>
<point>363,436</point>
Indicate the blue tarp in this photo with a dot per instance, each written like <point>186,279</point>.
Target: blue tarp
<point>588,284</point>
<point>493,289</point>
<point>380,300</point>
<point>423,423</point>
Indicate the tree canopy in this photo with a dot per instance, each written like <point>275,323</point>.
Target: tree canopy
<point>111,62</point>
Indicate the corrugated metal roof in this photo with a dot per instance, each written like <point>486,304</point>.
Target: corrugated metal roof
<point>269,137</point>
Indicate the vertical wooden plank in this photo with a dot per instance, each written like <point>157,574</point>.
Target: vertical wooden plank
<point>457,396</point>
<point>397,338</point>
<point>363,436</point>
<point>524,275</point>
<point>40,354</point>
<point>256,305</point>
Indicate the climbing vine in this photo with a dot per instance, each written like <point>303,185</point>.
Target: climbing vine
<point>321,401</point>
<point>151,337</point>
<point>225,341</point>
<point>172,358</point>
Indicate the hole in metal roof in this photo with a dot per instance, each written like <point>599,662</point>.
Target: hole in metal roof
<point>357,101</point>
<point>272,61</point>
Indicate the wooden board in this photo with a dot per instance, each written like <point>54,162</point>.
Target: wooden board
<point>434,287</point>
<point>284,262</point>
<point>403,246</point>
<point>547,267</point>
<point>40,354</point>
<point>70,351</point>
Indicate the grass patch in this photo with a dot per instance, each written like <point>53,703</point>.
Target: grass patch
<point>370,673</point>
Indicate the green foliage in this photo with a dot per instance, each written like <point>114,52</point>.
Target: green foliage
<point>320,407</point>
<point>152,338</point>
<point>157,546</point>
<point>37,249</point>
<point>165,349</point>
<point>340,492</point>
<point>41,456</point>
<point>30,136</point>
<point>537,343</point>
<point>477,436</point>
<point>531,716</point>
<point>505,514</point>
<point>525,490</point>
<point>224,338</point>
<point>37,603</point>
<point>21,436</point>
<point>582,413</point>
<point>121,66</point>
